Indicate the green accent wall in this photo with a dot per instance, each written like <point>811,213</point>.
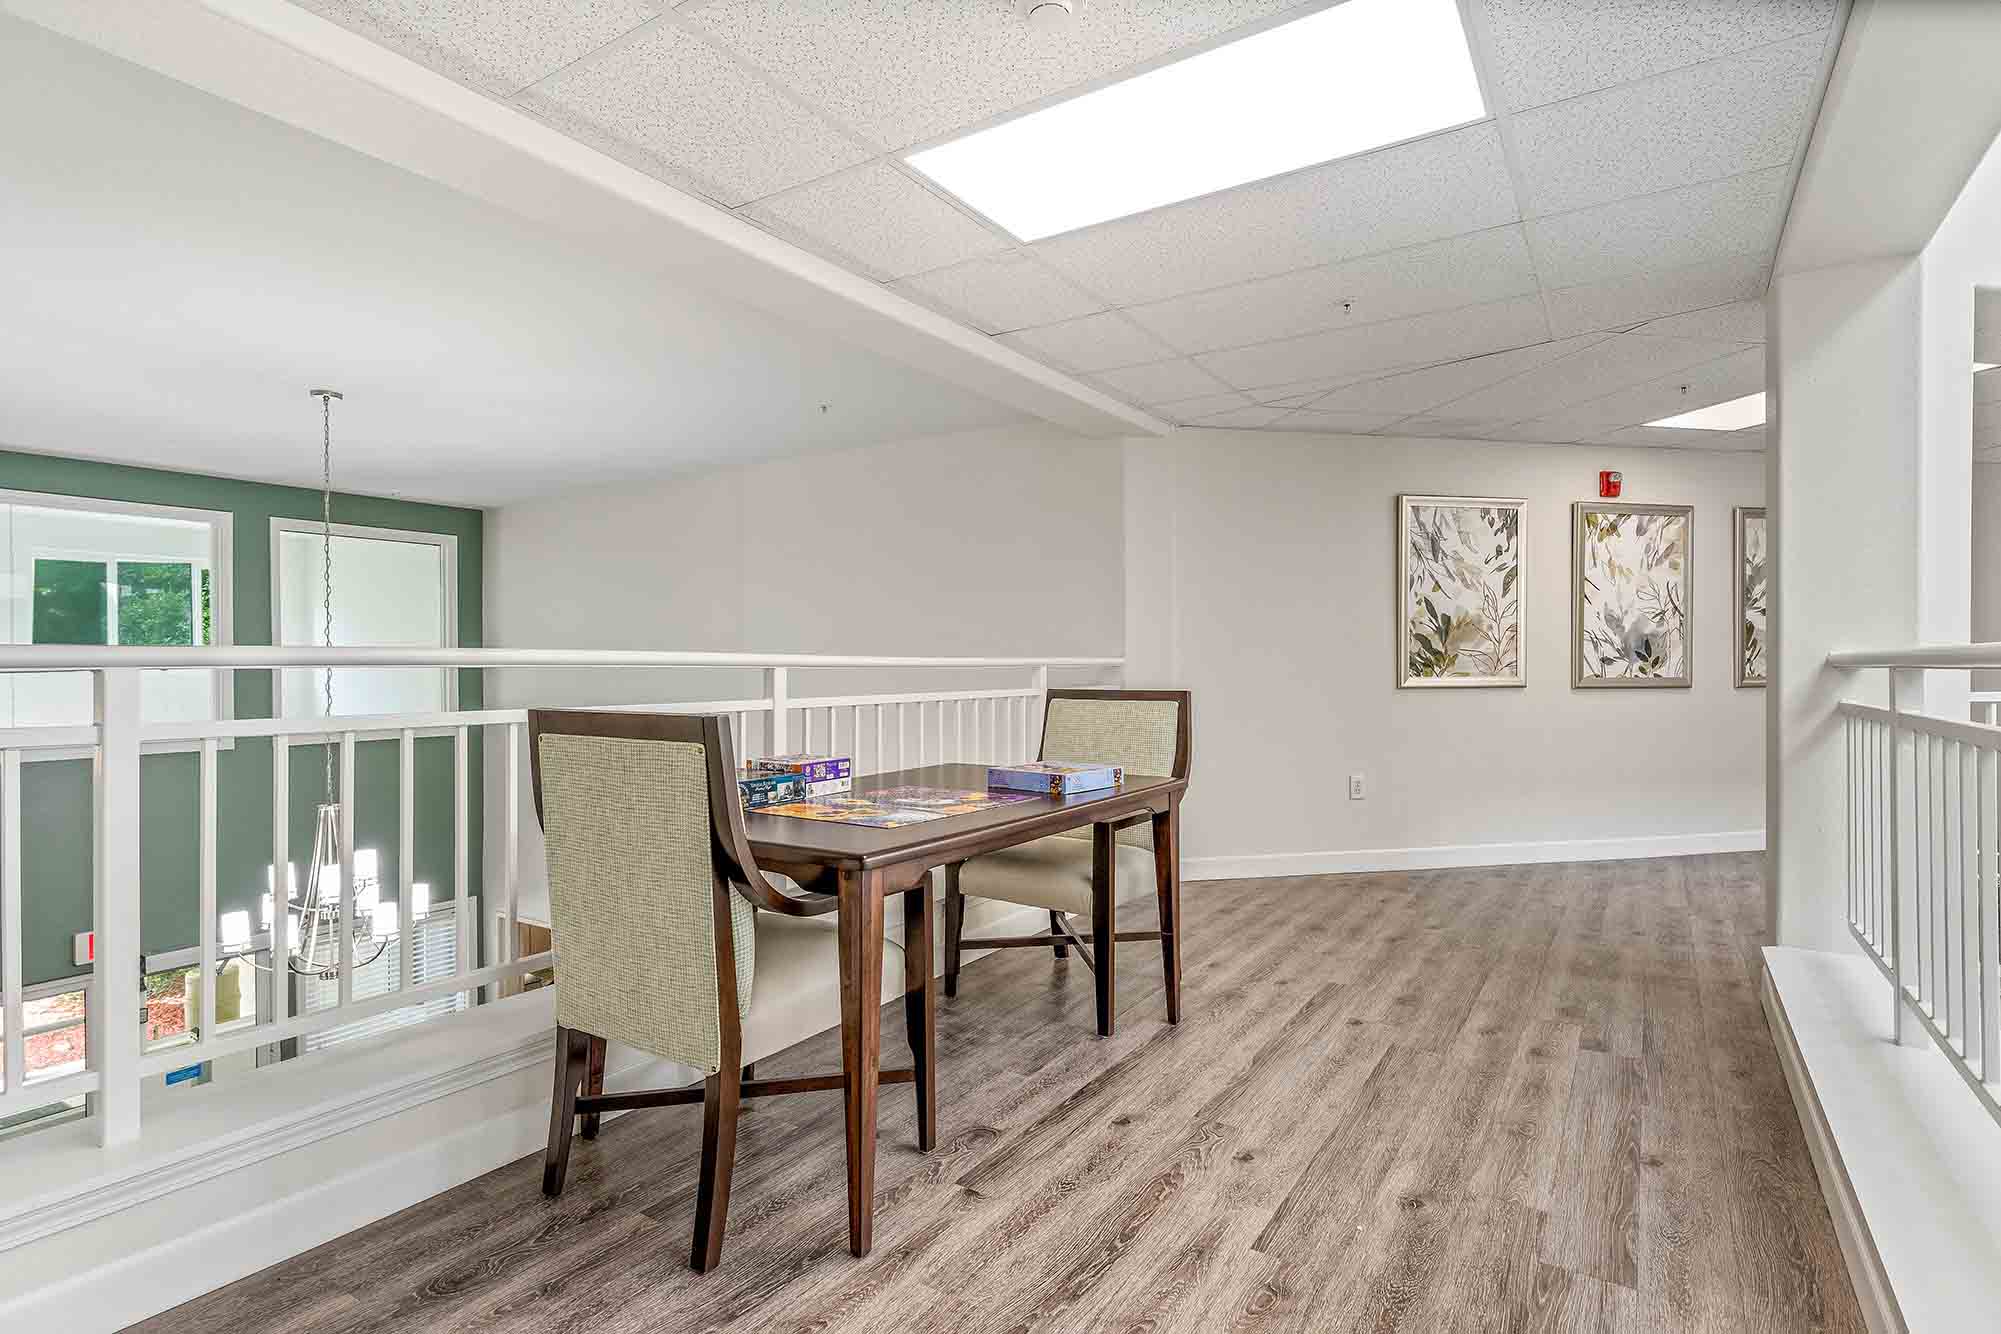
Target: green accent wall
<point>56,797</point>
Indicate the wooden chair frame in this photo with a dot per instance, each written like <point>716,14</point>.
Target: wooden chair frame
<point>580,1056</point>
<point>1099,955</point>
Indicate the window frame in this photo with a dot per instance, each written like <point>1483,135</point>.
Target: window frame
<point>222,599</point>
<point>448,571</point>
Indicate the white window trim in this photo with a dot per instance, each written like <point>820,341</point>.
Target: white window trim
<point>222,600</point>
<point>448,544</point>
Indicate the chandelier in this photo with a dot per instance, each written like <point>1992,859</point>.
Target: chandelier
<point>322,931</point>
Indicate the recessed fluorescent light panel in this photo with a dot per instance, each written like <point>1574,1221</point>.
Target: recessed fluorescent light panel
<point>1338,82</point>
<point>1735,415</point>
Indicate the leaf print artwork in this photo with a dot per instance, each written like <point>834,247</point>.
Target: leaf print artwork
<point>1630,571</point>
<point>1459,618</point>
<point>1751,596</point>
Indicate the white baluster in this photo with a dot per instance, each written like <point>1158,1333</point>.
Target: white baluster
<point>776,690</point>
<point>347,922</point>
<point>205,892</point>
<point>406,858</point>
<point>115,989</point>
<point>461,858</point>
<point>11,1014</point>
<point>510,833</point>
<point>281,878</point>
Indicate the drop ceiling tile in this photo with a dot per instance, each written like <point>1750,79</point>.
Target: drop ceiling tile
<point>1439,275</point>
<point>1986,418</point>
<point>1242,419</point>
<point>1676,229</point>
<point>1684,390</point>
<point>1333,423</point>
<point>1393,344</point>
<point>1442,186</point>
<point>674,106</point>
<point>1987,347</point>
<point>903,71</point>
<point>1987,386</point>
<point>1738,442</point>
<point>878,220</point>
<point>1622,302</point>
<point>1445,428</point>
<point>1714,120</point>
<point>1420,390</point>
<point>1740,321</point>
<point>1093,343</point>
<point>1001,292</point>
<point>1194,409</point>
<point>1616,363</point>
<point>1161,382</point>
<point>497,46</point>
<point>1545,50</point>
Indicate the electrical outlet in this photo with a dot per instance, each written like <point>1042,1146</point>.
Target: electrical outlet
<point>1356,788</point>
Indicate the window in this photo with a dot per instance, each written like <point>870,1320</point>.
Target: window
<point>106,572</point>
<point>390,589</point>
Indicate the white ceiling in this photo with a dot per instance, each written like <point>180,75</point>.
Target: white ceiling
<point>1575,260</point>
<point>182,270</point>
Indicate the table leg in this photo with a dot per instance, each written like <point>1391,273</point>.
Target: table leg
<point>1167,886</point>
<point>861,913</point>
<point>920,1021</point>
<point>1104,924</point>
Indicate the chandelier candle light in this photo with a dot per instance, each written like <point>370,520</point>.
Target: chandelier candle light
<point>327,915</point>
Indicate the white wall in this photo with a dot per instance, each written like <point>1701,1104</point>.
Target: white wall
<point>1873,488</point>
<point>1987,560</point>
<point>986,544</point>
<point>1260,574</point>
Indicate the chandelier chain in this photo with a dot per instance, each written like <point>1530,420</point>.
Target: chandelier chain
<point>326,569</point>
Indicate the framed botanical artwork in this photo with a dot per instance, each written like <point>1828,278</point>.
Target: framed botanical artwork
<point>1748,571</point>
<point>1631,602</point>
<point>1459,591</point>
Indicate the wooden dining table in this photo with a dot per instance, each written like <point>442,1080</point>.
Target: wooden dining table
<point>865,866</point>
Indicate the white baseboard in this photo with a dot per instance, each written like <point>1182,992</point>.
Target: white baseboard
<point>1866,1273</point>
<point>1259,865</point>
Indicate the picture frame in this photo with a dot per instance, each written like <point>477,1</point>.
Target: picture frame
<point>1461,607</point>
<point>1750,600</point>
<point>1632,596</point>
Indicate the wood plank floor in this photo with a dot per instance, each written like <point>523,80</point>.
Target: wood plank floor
<point>1518,1098</point>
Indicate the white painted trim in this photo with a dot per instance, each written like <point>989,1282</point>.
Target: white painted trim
<point>1858,1247</point>
<point>1259,865</point>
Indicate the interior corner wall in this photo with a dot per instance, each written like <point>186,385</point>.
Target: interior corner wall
<point>1843,374</point>
<point>1261,575</point>
<point>1000,543</point>
<point>1872,490</point>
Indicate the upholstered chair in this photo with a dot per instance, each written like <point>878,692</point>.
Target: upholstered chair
<point>669,940</point>
<point>1079,871</point>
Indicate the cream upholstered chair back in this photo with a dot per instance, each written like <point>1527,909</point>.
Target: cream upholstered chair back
<point>653,947</point>
<point>1145,731</point>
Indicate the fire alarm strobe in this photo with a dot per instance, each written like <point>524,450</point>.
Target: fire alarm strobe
<point>1608,484</point>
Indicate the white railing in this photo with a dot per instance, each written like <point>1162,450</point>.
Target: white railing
<point>885,730</point>
<point>1923,876</point>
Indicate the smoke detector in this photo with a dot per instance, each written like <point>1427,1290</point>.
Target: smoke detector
<point>1047,16</point>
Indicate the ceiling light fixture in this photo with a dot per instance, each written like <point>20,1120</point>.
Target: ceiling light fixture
<point>1735,415</point>
<point>1047,16</point>
<point>1338,82</point>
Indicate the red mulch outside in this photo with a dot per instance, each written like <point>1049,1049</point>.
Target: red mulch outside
<point>166,1016</point>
